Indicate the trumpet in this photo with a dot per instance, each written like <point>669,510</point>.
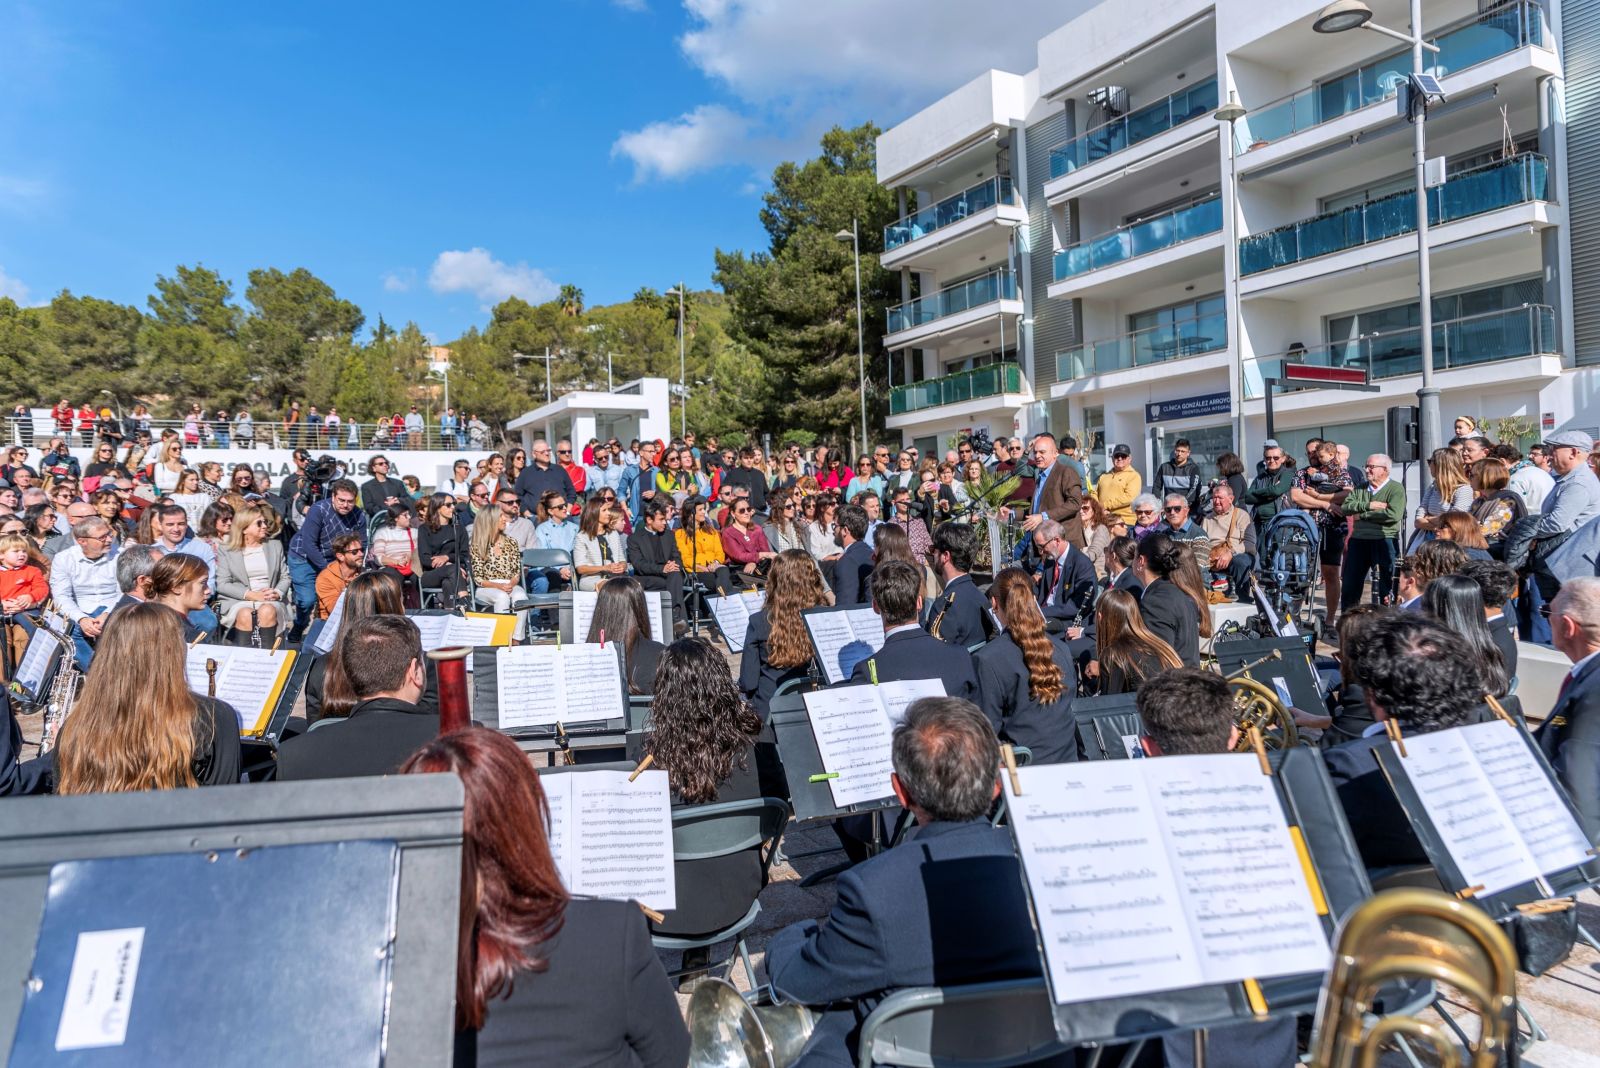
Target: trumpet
<point>1258,706</point>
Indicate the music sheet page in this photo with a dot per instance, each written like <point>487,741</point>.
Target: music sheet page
<point>558,795</point>
<point>528,689</point>
<point>249,682</point>
<point>469,630</point>
<point>1536,808</point>
<point>853,738</point>
<point>194,666</point>
<point>867,626</point>
<point>433,629</point>
<point>583,602</point>
<point>1460,800</point>
<point>591,683</point>
<point>623,834</point>
<point>330,627</point>
<point>733,615</point>
<point>897,696</point>
<point>830,632</point>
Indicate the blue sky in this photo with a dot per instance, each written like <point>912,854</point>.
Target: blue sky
<point>428,159</point>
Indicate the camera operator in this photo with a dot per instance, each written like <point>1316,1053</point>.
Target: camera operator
<point>311,549</point>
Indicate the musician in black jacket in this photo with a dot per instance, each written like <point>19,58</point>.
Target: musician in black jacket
<point>1026,678</point>
<point>1170,613</point>
<point>908,651</point>
<point>653,555</point>
<point>854,565</point>
<point>776,648</point>
<point>960,613</point>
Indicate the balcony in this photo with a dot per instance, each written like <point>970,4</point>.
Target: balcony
<point>994,380</point>
<point>952,300</point>
<point>1466,342</point>
<point>1134,127</point>
<point>1482,189</point>
<point>1140,239</point>
<point>1461,45</point>
<point>1145,348</point>
<point>950,210</point>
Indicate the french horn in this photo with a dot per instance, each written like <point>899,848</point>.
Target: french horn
<point>1256,705</point>
<point>726,1031</point>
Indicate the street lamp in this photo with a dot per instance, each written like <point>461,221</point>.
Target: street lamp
<point>1344,15</point>
<point>853,235</point>
<point>683,384</point>
<point>1231,113</point>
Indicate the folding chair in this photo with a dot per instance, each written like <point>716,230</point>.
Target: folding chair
<point>543,560</point>
<point>981,1025</point>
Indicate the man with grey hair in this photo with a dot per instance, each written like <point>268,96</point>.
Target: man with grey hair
<point>83,583</point>
<point>134,564</point>
<point>1379,509</point>
<point>1570,737</point>
<point>75,513</point>
<point>905,918</point>
<point>1182,528</point>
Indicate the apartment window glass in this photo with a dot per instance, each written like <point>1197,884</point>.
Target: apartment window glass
<point>1206,443</point>
<point>1092,446</point>
<point>1185,329</point>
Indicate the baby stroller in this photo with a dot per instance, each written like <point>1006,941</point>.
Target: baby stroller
<point>1288,571</point>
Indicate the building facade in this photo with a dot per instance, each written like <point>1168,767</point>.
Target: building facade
<point>1087,248</point>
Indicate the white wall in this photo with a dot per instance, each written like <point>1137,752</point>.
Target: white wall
<point>993,98</point>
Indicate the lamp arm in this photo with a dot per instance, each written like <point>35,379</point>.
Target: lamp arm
<point>1398,36</point>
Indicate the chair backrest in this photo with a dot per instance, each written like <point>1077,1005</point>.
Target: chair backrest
<point>982,1025</point>
<point>701,832</point>
<point>546,558</point>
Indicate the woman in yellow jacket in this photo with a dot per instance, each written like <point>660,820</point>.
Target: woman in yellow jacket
<point>700,545</point>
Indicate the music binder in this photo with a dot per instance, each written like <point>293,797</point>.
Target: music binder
<point>1108,726</point>
<point>487,668</point>
<point>449,630</point>
<point>809,790</point>
<point>1290,675</point>
<point>36,671</point>
<point>611,835</point>
<point>854,728</point>
<point>250,680</point>
<point>841,638</point>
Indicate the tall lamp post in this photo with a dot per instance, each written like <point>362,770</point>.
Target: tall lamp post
<point>683,383</point>
<point>1337,17</point>
<point>853,235</point>
<point>1231,113</point>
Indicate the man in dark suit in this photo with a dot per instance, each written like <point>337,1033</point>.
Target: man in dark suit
<point>1416,672</point>
<point>1058,493</point>
<point>961,613</point>
<point>383,659</point>
<point>1570,737</point>
<point>653,555</point>
<point>908,651</point>
<point>1067,585</point>
<point>854,566</point>
<point>909,916</point>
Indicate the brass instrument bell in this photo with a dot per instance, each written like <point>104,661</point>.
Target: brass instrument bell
<point>726,1031</point>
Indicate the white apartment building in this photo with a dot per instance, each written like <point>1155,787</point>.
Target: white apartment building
<point>1086,248</point>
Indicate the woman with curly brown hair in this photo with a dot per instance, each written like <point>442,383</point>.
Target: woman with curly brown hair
<point>1026,678</point>
<point>1126,652</point>
<point>776,649</point>
<point>702,734</point>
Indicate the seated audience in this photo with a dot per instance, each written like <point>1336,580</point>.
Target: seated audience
<point>908,651</point>
<point>598,552</point>
<point>497,567</point>
<point>394,546</point>
<point>337,576</point>
<point>960,614</point>
<point>653,555</point>
<point>439,548</point>
<point>1026,679</point>
<point>83,583</point>
<point>745,544</point>
<point>23,587</point>
<point>381,660</point>
<point>574,978</point>
<point>1231,556</point>
<point>700,547</point>
<point>776,649</point>
<point>1570,736</point>
<point>621,616</point>
<point>1169,612</point>
<point>136,725</point>
<point>252,579</point>
<point>1126,651</point>
<point>947,907</point>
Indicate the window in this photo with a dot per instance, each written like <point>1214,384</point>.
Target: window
<point>1186,329</point>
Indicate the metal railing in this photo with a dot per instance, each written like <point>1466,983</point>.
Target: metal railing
<point>1528,330</point>
<point>1461,45</point>
<point>1125,131</point>
<point>952,209</point>
<point>989,381</point>
<point>1140,238</point>
<point>1482,189</point>
<point>1142,348</point>
<point>272,434</point>
<point>972,293</point>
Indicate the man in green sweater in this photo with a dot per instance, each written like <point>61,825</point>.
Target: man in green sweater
<point>1265,495</point>
<point>1379,510</point>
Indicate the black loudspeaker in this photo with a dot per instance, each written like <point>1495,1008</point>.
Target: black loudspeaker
<point>1402,426</point>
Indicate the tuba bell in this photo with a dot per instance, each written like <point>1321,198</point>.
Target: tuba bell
<point>1258,706</point>
<point>725,1031</point>
<point>1422,935</point>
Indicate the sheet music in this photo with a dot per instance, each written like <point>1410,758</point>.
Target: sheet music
<point>247,678</point>
<point>611,838</point>
<point>558,795</point>
<point>843,639</point>
<point>897,696</point>
<point>471,630</point>
<point>434,630</point>
<point>733,615</point>
<point>1459,799</point>
<point>584,601</point>
<point>330,627</point>
<point>1151,875</point>
<point>853,736</point>
<point>1553,838</point>
<point>539,685</point>
<point>35,667</point>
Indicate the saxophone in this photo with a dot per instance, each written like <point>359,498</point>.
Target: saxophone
<point>63,694</point>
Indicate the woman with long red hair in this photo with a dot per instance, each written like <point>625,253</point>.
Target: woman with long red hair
<point>541,975</point>
<point>1026,678</point>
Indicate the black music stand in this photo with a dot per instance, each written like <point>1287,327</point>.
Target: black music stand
<point>419,813</point>
<point>56,648</point>
<point>1103,722</point>
<point>1293,667</point>
<point>593,734</point>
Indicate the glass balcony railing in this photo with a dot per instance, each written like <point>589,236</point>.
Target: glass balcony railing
<point>1461,45</point>
<point>1529,330</point>
<point>1140,238</point>
<point>1158,344</point>
<point>964,205</point>
<point>1128,130</point>
<point>1487,188</point>
<point>972,293</point>
<point>990,381</point>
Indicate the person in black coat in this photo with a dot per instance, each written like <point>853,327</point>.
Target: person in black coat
<point>19,777</point>
<point>1026,679</point>
<point>576,980</point>
<point>383,658</point>
<point>854,566</point>
<point>945,907</point>
<point>653,555</point>
<point>793,585</point>
<point>1416,672</point>
<point>540,476</point>
<point>960,614</point>
<point>441,548</point>
<point>380,491</point>
<point>1170,613</point>
<point>908,651</point>
<point>1067,583</point>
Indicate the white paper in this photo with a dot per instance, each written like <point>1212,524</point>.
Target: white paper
<point>433,630</point>
<point>36,664</point>
<point>897,696</point>
<point>1553,838</point>
<point>854,739</point>
<point>611,838</point>
<point>843,639</point>
<point>105,969</point>
<point>539,685</point>
<point>733,615</point>
<point>1151,875</point>
<point>471,631</point>
<point>584,601</point>
<point>330,627</point>
<point>245,677</point>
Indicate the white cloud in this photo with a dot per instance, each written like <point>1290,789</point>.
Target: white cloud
<point>795,68</point>
<point>13,288</point>
<point>698,140</point>
<point>477,272</point>
<point>399,281</point>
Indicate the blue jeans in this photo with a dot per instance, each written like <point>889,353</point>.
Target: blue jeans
<point>304,578</point>
<point>222,438</point>
<point>84,652</point>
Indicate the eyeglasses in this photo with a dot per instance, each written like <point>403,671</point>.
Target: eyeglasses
<point>1144,511</point>
<point>1172,511</point>
<point>563,452</point>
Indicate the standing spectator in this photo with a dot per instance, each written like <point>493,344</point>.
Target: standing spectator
<point>219,429</point>
<point>414,425</point>
<point>1320,488</point>
<point>293,424</point>
<point>86,420</point>
<point>748,476</point>
<point>191,427</point>
<point>576,472</point>
<point>1378,511</point>
<point>1568,509</point>
<point>477,432</point>
<point>244,430</point>
<point>57,460</point>
<point>542,475</point>
<point>1058,493</point>
<point>1449,490</point>
<point>1358,478</point>
<point>449,426</point>
<point>1494,505</point>
<point>61,416</point>
<point>1269,490</point>
<point>1527,480</point>
<point>314,428</point>
<point>330,428</point>
<point>381,490</point>
<point>311,549</point>
<point>1119,487</point>
<point>1179,475</point>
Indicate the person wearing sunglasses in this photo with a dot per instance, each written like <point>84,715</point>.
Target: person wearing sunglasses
<point>1184,530</point>
<point>1146,514</point>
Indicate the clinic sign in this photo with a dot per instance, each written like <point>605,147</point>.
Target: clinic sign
<point>1188,408</point>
